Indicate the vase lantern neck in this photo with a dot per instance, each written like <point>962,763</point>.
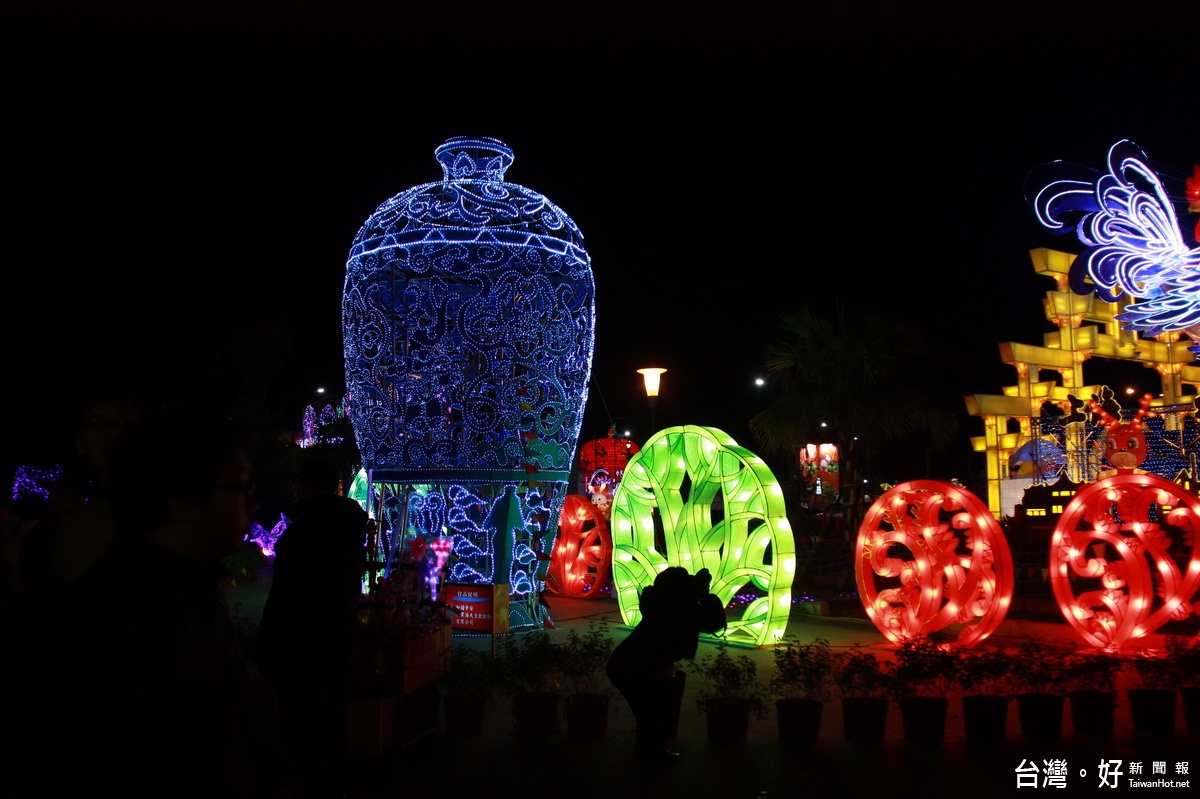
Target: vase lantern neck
<point>472,158</point>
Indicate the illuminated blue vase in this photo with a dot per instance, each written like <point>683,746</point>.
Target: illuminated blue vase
<point>468,325</point>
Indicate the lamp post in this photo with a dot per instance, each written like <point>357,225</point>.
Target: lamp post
<point>652,375</point>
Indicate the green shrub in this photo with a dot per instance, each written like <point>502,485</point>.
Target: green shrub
<point>924,668</point>
<point>859,673</point>
<point>986,671</point>
<point>584,661</point>
<point>803,671</point>
<point>529,662</point>
<point>724,677</point>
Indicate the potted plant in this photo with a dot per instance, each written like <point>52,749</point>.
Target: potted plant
<point>1038,682</point>
<point>1151,691</point>
<point>1183,653</point>
<point>729,691</point>
<point>585,683</point>
<point>985,676</point>
<point>529,670</point>
<point>924,673</point>
<point>862,684</point>
<point>801,684</point>
<point>1092,688</point>
<point>466,689</point>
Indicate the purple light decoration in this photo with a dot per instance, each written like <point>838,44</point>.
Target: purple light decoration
<point>309,426</point>
<point>313,423</point>
<point>441,548</point>
<point>1132,241</point>
<point>265,539</point>
<point>30,481</point>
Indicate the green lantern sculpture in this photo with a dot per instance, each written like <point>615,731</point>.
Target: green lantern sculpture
<point>693,498</point>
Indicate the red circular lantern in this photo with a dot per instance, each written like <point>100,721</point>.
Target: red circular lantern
<point>930,554</point>
<point>1124,560</point>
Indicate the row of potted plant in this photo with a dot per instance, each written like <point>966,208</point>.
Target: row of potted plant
<point>544,675</point>
<point>924,673</point>
<point>541,674</point>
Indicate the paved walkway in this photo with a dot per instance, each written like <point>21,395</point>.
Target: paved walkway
<point>499,765</point>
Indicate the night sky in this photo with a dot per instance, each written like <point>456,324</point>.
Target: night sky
<point>182,184</point>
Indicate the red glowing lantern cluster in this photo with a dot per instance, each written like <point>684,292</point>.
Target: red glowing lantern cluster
<point>819,470</point>
<point>930,554</point>
<point>581,561</point>
<point>1124,559</point>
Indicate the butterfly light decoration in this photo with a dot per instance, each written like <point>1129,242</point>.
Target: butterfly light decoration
<point>1133,243</point>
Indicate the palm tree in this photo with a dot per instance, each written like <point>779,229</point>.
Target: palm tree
<point>852,380</point>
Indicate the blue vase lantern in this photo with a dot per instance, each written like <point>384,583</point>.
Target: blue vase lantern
<point>468,325</point>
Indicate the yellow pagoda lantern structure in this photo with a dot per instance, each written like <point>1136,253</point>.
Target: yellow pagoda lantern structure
<point>1085,327</point>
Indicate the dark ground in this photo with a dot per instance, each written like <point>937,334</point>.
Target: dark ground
<point>501,765</point>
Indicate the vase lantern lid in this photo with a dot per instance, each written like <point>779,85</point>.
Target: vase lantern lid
<point>474,158</point>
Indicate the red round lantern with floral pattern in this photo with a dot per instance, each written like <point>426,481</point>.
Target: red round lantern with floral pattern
<point>1123,558</point>
<point>929,554</point>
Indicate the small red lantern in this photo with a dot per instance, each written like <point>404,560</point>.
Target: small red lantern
<point>1193,196</point>
<point>580,565</point>
<point>602,464</point>
<point>819,470</point>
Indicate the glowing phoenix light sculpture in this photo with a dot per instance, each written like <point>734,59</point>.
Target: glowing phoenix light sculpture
<point>1132,240</point>
<point>468,325</point>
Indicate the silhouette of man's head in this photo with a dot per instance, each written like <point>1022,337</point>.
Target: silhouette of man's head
<point>99,427</point>
<point>319,475</point>
<point>185,483</point>
<point>676,582</point>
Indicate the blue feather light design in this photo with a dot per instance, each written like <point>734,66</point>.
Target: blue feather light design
<point>1133,244</point>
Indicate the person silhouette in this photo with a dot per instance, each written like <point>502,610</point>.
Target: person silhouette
<point>78,527</point>
<point>139,672</point>
<point>675,610</point>
<point>307,628</point>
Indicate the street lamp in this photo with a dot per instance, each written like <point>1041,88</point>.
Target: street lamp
<point>652,375</point>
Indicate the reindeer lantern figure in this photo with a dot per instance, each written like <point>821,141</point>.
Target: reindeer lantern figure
<point>1124,558</point>
<point>1125,444</point>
